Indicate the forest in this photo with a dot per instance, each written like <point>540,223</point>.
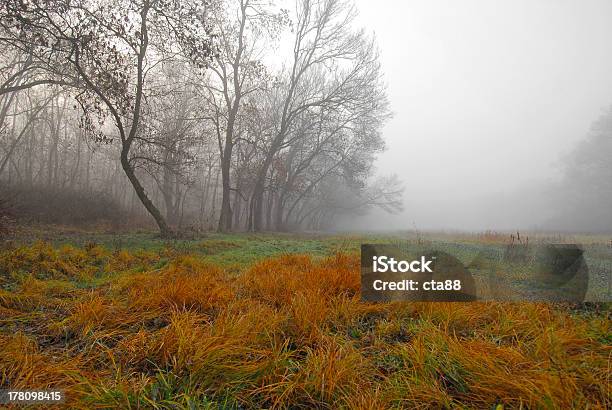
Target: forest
<point>200,116</point>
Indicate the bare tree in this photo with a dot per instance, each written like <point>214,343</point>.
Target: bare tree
<point>242,28</point>
<point>110,46</point>
<point>328,64</point>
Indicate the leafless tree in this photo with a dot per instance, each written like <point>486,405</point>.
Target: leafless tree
<point>109,46</point>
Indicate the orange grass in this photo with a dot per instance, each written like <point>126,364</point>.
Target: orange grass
<point>114,330</point>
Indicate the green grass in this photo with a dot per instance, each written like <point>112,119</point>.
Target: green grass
<point>236,251</point>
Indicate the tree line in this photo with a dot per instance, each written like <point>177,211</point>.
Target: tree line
<point>227,115</point>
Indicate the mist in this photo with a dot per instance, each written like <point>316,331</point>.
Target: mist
<point>489,100</point>
<point>313,115</point>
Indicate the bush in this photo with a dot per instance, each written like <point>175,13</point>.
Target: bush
<point>61,206</point>
<point>7,220</point>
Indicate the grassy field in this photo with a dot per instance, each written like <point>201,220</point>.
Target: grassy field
<point>275,321</point>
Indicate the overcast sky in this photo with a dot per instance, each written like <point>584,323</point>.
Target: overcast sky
<point>488,96</point>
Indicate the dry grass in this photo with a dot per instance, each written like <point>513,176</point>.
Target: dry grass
<point>122,330</point>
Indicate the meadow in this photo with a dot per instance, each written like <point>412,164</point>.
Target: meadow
<point>241,321</point>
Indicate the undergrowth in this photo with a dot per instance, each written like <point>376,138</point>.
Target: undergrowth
<point>171,329</point>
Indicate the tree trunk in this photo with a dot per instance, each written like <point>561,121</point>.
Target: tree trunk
<point>236,210</point>
<point>214,200</point>
<point>279,212</point>
<point>168,196</point>
<point>269,205</point>
<point>164,230</point>
<point>225,218</point>
<point>257,199</point>
<point>206,191</point>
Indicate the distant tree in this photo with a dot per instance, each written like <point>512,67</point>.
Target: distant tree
<point>586,191</point>
<point>172,124</point>
<point>335,198</point>
<point>591,160</point>
<point>9,139</point>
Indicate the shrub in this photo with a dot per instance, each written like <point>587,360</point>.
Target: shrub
<point>7,220</point>
<point>60,206</point>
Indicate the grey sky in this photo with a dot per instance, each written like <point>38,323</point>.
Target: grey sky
<point>488,96</point>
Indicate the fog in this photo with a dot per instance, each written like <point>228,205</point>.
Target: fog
<point>286,116</point>
<point>489,98</point>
